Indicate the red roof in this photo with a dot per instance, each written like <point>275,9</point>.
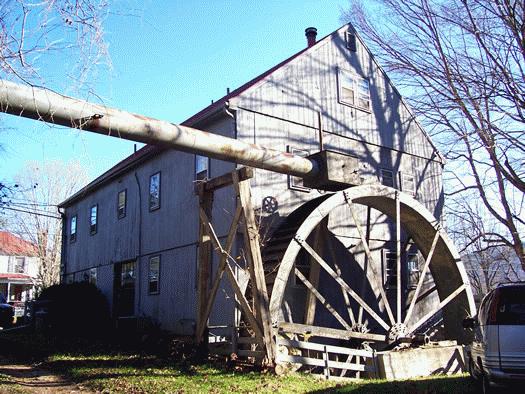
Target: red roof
<point>11,245</point>
<point>15,276</point>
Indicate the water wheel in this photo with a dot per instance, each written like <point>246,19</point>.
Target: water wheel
<point>323,289</point>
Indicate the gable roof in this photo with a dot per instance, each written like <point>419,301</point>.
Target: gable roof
<point>11,245</point>
<point>150,151</point>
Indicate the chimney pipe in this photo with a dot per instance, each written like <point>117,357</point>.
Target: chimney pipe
<point>311,34</point>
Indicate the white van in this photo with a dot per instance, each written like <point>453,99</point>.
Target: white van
<point>497,354</point>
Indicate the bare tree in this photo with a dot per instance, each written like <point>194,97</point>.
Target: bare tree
<point>32,211</point>
<point>461,63</point>
<point>32,32</point>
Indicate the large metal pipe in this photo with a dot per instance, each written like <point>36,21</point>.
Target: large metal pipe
<point>47,106</point>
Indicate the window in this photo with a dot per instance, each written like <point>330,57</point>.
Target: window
<point>202,165</point>
<point>408,183</point>
<point>154,191</point>
<point>121,204</point>
<point>295,182</point>
<point>20,263</point>
<point>93,216</point>
<point>386,177</point>
<point>390,269</point>
<point>351,43</point>
<point>73,229</point>
<point>127,274</point>
<point>90,276</point>
<point>154,274</point>
<point>413,270</point>
<point>354,90</point>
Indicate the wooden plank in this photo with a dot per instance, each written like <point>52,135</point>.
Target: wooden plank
<point>422,277</point>
<point>285,358</point>
<point>251,238</point>
<point>371,261</point>
<point>249,341</point>
<point>320,347</point>
<point>313,278</point>
<point>321,299</point>
<point>218,182</point>
<point>203,265</point>
<point>342,283</point>
<point>220,270</point>
<point>316,331</point>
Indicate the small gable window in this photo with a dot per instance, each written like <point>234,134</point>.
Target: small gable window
<point>154,191</point>
<point>121,204</point>
<point>408,183</point>
<point>386,177</point>
<point>354,90</point>
<point>351,43</point>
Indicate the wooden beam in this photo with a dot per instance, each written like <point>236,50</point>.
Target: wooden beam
<point>422,277</point>
<point>316,331</point>
<point>321,299</point>
<point>220,270</point>
<point>203,263</point>
<point>252,243</point>
<point>221,181</point>
<point>441,305</point>
<point>320,347</point>
<point>343,284</point>
<point>313,279</point>
<point>398,257</point>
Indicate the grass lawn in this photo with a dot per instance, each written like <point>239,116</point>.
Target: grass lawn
<point>108,369</point>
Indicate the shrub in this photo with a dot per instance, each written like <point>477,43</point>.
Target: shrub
<point>74,310</point>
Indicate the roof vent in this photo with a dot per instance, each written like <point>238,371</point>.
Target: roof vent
<point>311,34</point>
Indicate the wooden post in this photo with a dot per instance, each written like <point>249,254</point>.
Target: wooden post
<point>253,255</point>
<point>311,301</point>
<point>203,265</point>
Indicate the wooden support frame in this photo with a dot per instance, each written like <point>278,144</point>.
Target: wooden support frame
<point>244,218</point>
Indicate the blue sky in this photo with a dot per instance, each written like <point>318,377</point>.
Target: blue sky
<point>169,60</point>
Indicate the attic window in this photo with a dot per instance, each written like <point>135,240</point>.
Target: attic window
<point>354,90</point>
<point>408,183</point>
<point>73,229</point>
<point>351,43</point>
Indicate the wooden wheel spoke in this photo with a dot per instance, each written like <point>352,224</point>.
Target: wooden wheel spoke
<point>341,282</point>
<point>321,299</point>
<point>338,271</point>
<point>422,277</point>
<point>371,262</point>
<point>398,258</point>
<point>441,305</point>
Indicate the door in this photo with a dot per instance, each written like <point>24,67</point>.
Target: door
<point>124,289</point>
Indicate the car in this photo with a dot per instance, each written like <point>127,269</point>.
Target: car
<point>7,313</point>
<point>496,356</point>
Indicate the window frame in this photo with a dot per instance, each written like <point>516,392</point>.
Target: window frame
<point>121,215</point>
<point>154,259</point>
<point>22,270</point>
<point>382,177</point>
<point>410,269</point>
<point>387,272</point>
<point>292,185</point>
<point>206,171</point>
<point>73,234</point>
<point>154,207</point>
<point>93,227</point>
<point>343,77</point>
<point>351,41</point>
<point>403,181</point>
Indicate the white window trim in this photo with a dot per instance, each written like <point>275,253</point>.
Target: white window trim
<point>403,181</point>
<point>292,179</point>
<point>341,73</point>
<point>392,173</point>
<point>150,260</point>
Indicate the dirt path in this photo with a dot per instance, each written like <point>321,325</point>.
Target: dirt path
<point>28,379</point>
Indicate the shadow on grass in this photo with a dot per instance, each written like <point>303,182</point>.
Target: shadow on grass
<point>434,385</point>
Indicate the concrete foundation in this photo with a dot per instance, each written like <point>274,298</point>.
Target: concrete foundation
<point>424,361</point>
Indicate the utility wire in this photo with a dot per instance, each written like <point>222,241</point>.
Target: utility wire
<point>32,213</point>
